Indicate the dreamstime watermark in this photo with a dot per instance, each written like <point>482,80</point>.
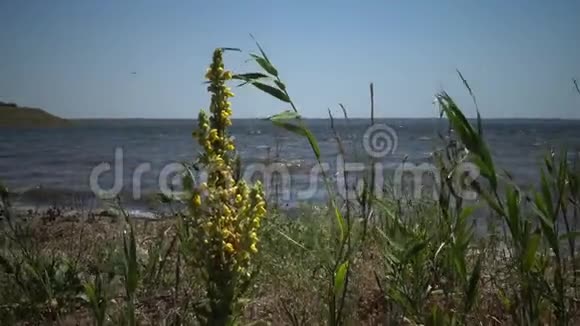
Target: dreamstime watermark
<point>380,140</point>
<point>407,179</point>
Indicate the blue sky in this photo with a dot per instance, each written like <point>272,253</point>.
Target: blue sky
<point>75,58</point>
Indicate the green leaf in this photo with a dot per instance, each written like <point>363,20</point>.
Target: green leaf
<point>459,262</point>
<point>284,119</point>
<point>504,299</point>
<point>275,92</point>
<point>249,76</point>
<point>340,221</point>
<point>465,83</point>
<point>260,48</point>
<point>529,255</point>
<point>266,65</point>
<point>546,193</point>
<point>340,278</point>
<point>284,116</point>
<point>548,163</point>
<point>331,119</point>
<point>471,293</point>
<point>413,251</point>
<point>299,130</point>
<point>513,216</point>
<point>546,224</point>
<point>472,140</point>
<point>231,49</point>
<point>130,247</point>
<point>541,208</point>
<point>280,85</point>
<point>489,199</point>
<point>188,177</point>
<point>466,212</point>
<point>483,167</point>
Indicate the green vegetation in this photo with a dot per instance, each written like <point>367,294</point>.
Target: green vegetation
<point>15,116</point>
<point>228,259</point>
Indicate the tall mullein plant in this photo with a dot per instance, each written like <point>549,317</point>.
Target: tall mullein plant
<point>222,229</point>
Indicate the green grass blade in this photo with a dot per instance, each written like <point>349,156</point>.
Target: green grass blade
<point>547,194</point>
<point>344,112</point>
<point>298,244</point>
<point>466,84</point>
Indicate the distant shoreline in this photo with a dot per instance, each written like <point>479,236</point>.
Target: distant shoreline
<point>14,116</point>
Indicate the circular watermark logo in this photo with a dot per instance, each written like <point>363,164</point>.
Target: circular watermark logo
<point>380,140</point>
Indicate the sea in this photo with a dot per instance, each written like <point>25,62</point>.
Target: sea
<point>137,159</point>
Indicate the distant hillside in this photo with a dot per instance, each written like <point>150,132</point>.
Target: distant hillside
<point>12,115</point>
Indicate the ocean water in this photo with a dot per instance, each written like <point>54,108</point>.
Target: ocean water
<point>48,166</point>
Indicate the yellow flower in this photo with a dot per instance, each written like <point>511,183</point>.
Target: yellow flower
<point>197,200</point>
<point>228,224</point>
<point>213,134</point>
<point>227,209</point>
<point>261,207</point>
<point>261,210</point>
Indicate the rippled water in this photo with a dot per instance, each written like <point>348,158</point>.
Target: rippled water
<point>48,165</point>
